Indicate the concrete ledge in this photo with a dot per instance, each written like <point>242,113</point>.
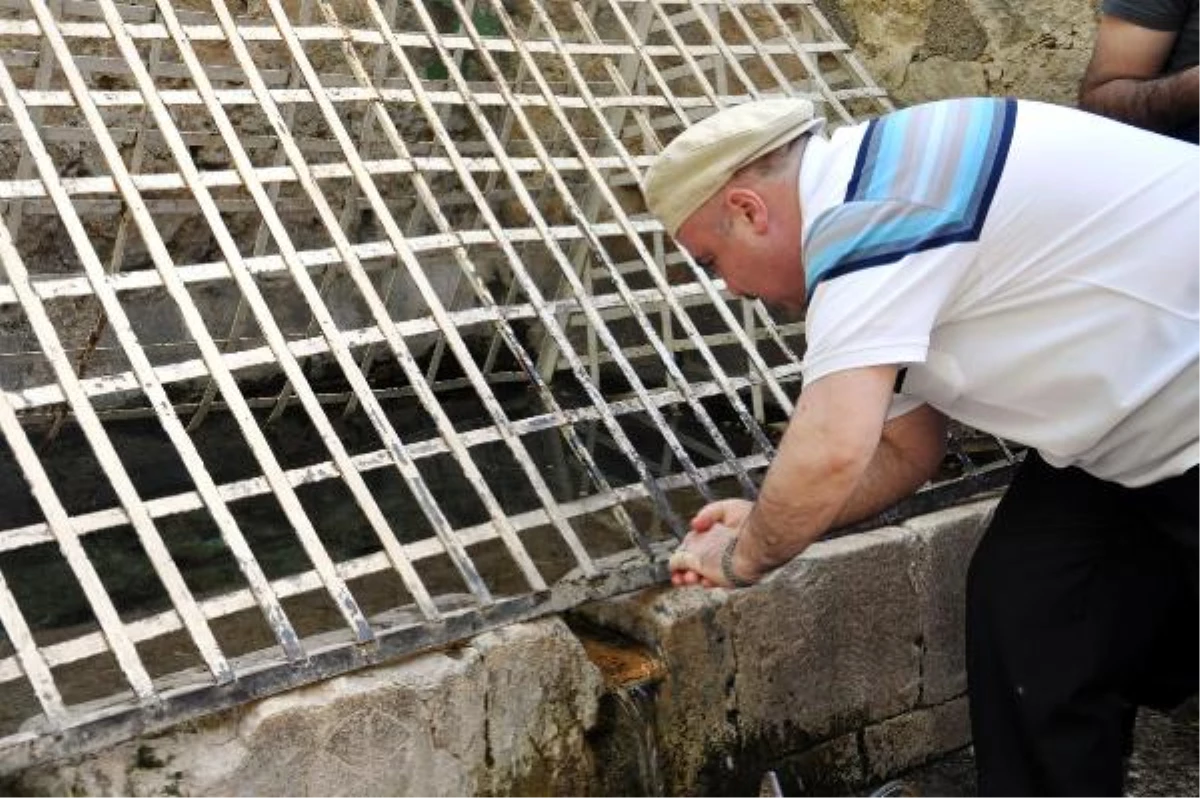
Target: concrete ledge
<point>843,668</point>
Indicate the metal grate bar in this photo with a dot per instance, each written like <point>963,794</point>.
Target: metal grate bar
<point>561,260</point>
<point>349,215</point>
<point>400,350</point>
<point>597,246</point>
<point>131,503</point>
<point>198,332</point>
<point>175,504</point>
<point>196,328</point>
<point>119,244</point>
<point>32,663</point>
<point>505,332</point>
<point>120,324</point>
<point>531,290</point>
<point>155,626</point>
<point>253,297</point>
<point>58,288</point>
<point>452,335</point>
<point>728,59</point>
<point>635,240</point>
<point>68,542</point>
<point>690,330</point>
<point>261,239</point>
<point>25,166</point>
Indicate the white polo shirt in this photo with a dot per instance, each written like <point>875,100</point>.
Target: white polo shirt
<point>1034,268</point>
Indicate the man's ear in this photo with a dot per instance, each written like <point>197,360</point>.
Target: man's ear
<point>747,205</point>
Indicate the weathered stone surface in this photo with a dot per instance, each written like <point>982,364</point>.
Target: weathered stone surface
<point>825,645</point>
<point>473,720</point>
<point>915,737</point>
<point>830,643</point>
<point>831,768</point>
<point>946,541</point>
<point>542,696</point>
<point>930,49</point>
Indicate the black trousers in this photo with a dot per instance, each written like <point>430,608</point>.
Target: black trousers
<point>1081,605</point>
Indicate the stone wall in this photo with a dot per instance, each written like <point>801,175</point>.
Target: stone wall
<point>930,49</point>
<point>840,670</point>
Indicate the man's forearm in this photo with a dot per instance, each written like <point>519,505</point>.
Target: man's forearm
<point>824,452</point>
<point>893,474</point>
<point>791,514</point>
<point>1163,104</point>
<point>782,525</point>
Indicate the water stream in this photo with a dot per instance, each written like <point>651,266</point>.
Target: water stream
<point>636,706</point>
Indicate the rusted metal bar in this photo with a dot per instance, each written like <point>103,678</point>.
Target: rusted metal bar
<point>505,333</point>
<point>316,414</point>
<point>118,319</point>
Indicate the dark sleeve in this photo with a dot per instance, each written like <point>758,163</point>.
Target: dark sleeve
<point>1167,15</point>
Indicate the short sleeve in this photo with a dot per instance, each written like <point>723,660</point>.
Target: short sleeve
<point>877,313</point>
<point>1163,15</point>
<point>884,266</point>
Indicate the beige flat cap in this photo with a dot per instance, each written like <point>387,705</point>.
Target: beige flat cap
<point>702,158</point>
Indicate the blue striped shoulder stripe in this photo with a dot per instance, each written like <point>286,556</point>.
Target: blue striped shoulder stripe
<point>924,177</point>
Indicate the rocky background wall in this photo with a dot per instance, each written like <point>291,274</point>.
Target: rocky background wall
<point>931,49</point>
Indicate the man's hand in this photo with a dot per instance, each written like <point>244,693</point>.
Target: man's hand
<point>697,561</point>
<point>730,512</point>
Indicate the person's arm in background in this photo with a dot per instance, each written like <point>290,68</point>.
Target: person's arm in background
<point>1123,79</point>
<point>838,463</point>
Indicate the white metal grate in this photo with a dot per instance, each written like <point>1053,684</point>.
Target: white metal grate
<point>332,329</point>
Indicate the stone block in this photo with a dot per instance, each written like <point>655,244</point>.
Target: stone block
<point>542,697</point>
<point>945,542</point>
<point>825,645</point>
<point>831,768</point>
<point>831,672</point>
<point>922,50</point>
<point>915,737</point>
<point>830,642</point>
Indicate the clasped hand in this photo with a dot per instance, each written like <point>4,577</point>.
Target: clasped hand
<point>697,561</point>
